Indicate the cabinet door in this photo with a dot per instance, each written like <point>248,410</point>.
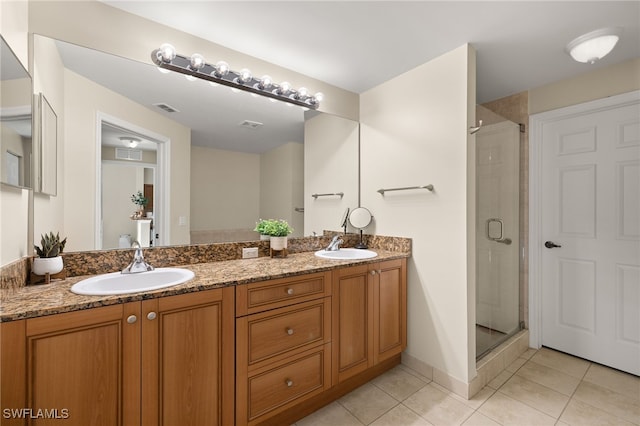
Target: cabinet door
<point>352,319</point>
<point>390,309</point>
<point>188,359</point>
<point>81,365</point>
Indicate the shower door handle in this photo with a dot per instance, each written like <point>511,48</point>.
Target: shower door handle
<point>494,231</point>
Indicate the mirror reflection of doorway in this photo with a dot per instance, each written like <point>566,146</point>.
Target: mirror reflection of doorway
<point>129,169</point>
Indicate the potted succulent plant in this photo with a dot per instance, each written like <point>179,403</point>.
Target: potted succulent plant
<point>277,230</point>
<point>49,260</point>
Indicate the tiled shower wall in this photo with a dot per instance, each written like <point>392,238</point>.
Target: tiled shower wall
<point>516,109</point>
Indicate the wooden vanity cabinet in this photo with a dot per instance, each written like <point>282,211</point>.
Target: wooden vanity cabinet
<point>283,344</point>
<point>369,318</point>
<point>159,361</point>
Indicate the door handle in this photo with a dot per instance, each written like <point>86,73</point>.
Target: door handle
<point>494,231</point>
<point>551,244</point>
<point>506,241</point>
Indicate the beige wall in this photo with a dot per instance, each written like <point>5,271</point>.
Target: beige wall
<point>331,151</point>
<point>48,79</point>
<point>613,80</point>
<point>14,203</point>
<point>414,132</point>
<point>281,185</point>
<point>119,182</point>
<point>225,189</point>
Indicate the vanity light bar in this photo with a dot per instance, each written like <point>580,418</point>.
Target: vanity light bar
<point>195,65</point>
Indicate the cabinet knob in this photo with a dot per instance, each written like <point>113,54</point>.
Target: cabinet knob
<point>373,272</point>
<point>289,291</point>
<point>379,271</point>
<point>132,319</point>
<point>289,331</point>
<point>289,383</point>
<point>151,315</point>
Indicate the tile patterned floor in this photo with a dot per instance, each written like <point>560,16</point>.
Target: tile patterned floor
<point>542,387</point>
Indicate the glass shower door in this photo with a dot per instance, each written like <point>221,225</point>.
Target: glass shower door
<point>497,235</point>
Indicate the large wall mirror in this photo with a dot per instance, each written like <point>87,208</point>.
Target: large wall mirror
<point>245,152</point>
<point>16,145</point>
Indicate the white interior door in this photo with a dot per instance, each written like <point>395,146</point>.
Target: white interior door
<point>497,180</point>
<point>590,209</point>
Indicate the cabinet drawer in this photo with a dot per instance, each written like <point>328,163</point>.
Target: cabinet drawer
<point>281,330</point>
<point>275,389</point>
<point>260,296</point>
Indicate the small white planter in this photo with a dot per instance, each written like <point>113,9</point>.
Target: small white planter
<point>47,265</point>
<point>278,243</point>
<point>264,237</point>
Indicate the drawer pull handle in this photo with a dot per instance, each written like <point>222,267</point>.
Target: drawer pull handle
<point>290,291</point>
<point>151,315</point>
<point>289,383</point>
<point>132,319</point>
<point>289,331</point>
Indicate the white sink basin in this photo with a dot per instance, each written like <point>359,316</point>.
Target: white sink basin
<point>346,254</point>
<point>117,283</point>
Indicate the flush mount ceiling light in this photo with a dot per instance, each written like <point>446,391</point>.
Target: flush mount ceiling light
<point>129,142</point>
<point>195,66</point>
<point>591,47</point>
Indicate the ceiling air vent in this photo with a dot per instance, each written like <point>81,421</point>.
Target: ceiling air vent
<point>128,154</point>
<point>248,124</point>
<point>166,107</point>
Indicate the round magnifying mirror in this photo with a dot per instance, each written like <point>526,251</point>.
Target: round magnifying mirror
<point>360,218</point>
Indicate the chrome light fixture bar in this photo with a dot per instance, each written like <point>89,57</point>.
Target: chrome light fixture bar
<point>195,66</point>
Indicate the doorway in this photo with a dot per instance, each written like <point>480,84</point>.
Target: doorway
<point>133,166</point>
<point>585,231</point>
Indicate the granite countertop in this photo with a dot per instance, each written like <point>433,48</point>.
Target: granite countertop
<point>40,300</point>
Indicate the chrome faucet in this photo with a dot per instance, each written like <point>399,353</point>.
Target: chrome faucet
<point>138,264</point>
<point>334,245</point>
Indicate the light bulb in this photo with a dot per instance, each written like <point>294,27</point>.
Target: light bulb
<point>303,92</point>
<point>319,97</point>
<point>166,53</point>
<point>265,82</point>
<point>222,69</point>
<point>197,61</point>
<point>245,76</point>
<point>284,88</point>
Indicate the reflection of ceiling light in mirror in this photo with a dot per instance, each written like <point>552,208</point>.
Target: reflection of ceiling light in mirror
<point>591,47</point>
<point>130,142</point>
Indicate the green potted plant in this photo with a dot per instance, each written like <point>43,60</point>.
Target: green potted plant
<point>260,229</point>
<point>277,230</point>
<point>49,260</point>
<point>141,201</point>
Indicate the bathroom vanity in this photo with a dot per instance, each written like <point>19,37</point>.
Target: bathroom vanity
<point>254,341</point>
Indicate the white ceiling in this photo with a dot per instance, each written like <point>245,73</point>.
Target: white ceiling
<point>359,44</point>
